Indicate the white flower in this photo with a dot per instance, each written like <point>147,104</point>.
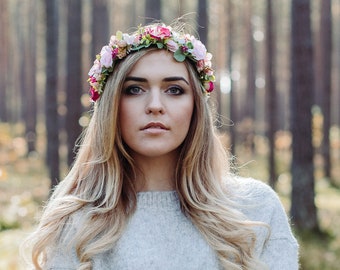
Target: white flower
<point>95,69</point>
<point>113,41</point>
<point>106,57</point>
<point>129,39</point>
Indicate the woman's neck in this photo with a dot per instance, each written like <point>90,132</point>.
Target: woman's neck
<point>156,173</point>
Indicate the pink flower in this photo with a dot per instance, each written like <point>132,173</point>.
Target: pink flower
<point>92,80</point>
<point>199,51</point>
<point>200,65</point>
<point>172,45</point>
<point>184,49</point>
<point>113,41</point>
<point>106,57</point>
<point>209,71</point>
<point>114,53</point>
<point>160,32</point>
<point>209,86</point>
<point>94,94</point>
<point>95,69</point>
<point>207,60</point>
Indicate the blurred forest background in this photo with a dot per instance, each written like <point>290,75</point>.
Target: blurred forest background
<point>277,101</point>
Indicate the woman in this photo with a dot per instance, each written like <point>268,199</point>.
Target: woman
<point>150,188</point>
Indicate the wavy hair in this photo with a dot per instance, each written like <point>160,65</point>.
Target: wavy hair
<point>101,182</point>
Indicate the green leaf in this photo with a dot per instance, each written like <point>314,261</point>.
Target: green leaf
<point>159,45</point>
<point>119,35</point>
<point>190,46</point>
<point>179,56</point>
<point>139,47</point>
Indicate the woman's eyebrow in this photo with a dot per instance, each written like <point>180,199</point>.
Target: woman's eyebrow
<point>175,78</point>
<point>167,79</point>
<point>137,79</point>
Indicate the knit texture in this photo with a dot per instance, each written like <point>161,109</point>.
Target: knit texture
<point>159,236</point>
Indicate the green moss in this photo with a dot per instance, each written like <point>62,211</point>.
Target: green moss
<point>8,226</point>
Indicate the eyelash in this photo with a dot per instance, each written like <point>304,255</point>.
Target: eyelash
<point>172,90</point>
<point>129,90</point>
<point>179,90</point>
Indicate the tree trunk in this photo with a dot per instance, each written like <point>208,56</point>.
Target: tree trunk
<point>325,81</point>
<point>3,60</point>
<point>232,97</point>
<point>74,77</point>
<point>100,26</point>
<point>152,10</point>
<point>203,21</point>
<point>271,99</point>
<point>52,129</point>
<point>303,208</point>
<point>251,73</point>
<point>26,38</point>
<point>30,80</point>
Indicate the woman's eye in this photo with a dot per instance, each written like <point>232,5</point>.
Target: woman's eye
<point>133,90</point>
<point>175,90</point>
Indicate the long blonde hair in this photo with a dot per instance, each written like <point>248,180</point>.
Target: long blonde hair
<point>101,181</point>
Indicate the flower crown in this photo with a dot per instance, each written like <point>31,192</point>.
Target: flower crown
<point>182,45</point>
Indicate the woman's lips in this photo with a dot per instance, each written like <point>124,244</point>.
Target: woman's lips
<point>155,125</point>
<point>155,128</point>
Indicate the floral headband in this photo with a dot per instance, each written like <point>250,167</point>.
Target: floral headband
<point>182,45</point>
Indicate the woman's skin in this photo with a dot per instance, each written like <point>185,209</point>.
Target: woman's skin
<point>155,114</point>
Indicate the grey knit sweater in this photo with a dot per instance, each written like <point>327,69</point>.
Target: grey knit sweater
<point>159,236</point>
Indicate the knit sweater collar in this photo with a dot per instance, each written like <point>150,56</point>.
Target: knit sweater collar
<point>158,199</point>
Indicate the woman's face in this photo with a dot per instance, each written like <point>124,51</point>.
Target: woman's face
<point>156,105</point>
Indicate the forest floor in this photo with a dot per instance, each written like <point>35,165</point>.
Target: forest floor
<point>24,186</point>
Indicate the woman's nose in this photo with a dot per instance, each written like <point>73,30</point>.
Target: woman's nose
<point>154,102</point>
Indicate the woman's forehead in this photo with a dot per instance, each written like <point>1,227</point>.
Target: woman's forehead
<point>159,63</point>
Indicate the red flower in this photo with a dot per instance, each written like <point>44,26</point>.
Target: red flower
<point>184,49</point>
<point>114,53</point>
<point>209,86</point>
<point>93,79</point>
<point>94,94</point>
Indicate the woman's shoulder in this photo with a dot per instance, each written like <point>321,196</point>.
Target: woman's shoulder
<point>256,199</point>
<point>259,202</point>
<point>249,188</point>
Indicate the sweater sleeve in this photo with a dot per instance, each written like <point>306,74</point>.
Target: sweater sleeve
<point>280,251</point>
<point>277,248</point>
